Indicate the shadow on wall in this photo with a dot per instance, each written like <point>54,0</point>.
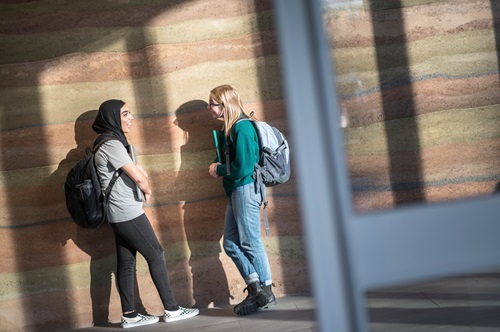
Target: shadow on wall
<point>98,244</point>
<point>397,102</point>
<point>203,205</point>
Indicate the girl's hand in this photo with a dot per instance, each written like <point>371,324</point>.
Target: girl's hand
<point>212,170</point>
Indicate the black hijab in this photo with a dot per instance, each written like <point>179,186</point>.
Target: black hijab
<point>108,122</point>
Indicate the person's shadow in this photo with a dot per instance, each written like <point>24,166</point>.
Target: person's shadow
<point>98,244</point>
<point>204,204</point>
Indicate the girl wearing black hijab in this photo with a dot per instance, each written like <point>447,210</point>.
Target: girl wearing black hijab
<point>133,231</point>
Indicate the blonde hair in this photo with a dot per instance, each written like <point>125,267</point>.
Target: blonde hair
<point>230,101</point>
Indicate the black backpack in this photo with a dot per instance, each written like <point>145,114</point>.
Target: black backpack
<point>86,201</point>
<point>273,167</point>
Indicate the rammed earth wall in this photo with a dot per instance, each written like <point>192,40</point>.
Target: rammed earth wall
<point>58,61</point>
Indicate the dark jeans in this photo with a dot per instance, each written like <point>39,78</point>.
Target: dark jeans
<point>134,236</point>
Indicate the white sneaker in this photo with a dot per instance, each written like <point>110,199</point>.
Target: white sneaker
<point>181,313</point>
<point>139,320</point>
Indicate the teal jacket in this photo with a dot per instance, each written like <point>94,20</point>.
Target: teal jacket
<point>243,154</point>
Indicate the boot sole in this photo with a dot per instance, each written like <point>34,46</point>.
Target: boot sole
<point>268,306</point>
<point>246,310</point>
<point>250,309</point>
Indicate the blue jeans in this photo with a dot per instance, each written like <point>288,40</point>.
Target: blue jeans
<point>134,236</point>
<point>242,240</point>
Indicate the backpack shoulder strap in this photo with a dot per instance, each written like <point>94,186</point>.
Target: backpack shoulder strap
<point>229,141</point>
<point>239,120</point>
<point>115,176</point>
<point>101,143</point>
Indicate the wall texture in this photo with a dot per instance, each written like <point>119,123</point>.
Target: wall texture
<point>59,59</point>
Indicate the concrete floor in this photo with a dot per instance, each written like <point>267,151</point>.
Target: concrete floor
<point>468,304</point>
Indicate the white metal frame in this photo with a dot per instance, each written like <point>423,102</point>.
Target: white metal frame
<point>350,253</point>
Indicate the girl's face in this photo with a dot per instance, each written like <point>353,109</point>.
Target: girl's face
<point>216,109</point>
<point>127,118</point>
